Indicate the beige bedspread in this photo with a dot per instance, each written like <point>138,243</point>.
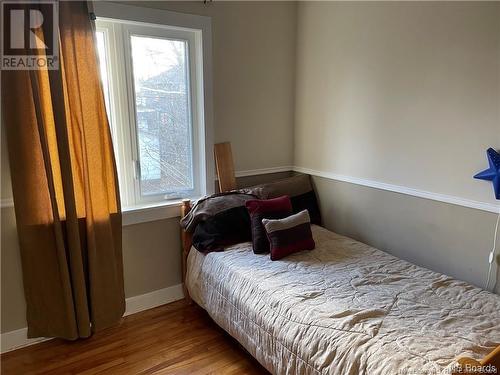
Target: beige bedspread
<point>343,308</point>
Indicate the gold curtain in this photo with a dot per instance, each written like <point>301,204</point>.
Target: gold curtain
<point>65,187</point>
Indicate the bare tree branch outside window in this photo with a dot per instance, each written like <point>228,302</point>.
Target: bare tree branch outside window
<point>163,114</point>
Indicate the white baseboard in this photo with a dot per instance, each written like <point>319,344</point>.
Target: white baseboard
<point>464,202</point>
<point>19,338</point>
<point>6,202</point>
<point>439,197</point>
<point>153,299</point>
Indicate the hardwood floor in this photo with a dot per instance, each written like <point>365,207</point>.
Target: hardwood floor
<point>172,339</point>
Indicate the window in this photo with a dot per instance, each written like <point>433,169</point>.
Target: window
<point>153,88</point>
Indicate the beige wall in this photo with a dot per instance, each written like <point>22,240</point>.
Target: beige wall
<point>446,238</point>
<point>403,93</point>
<point>406,93</point>
<point>253,76</point>
<point>13,306</point>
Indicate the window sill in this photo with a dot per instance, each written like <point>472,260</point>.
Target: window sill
<point>152,212</point>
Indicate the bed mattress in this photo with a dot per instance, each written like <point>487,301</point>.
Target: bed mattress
<point>343,308</point>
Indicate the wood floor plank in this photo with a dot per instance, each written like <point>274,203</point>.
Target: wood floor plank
<point>177,338</point>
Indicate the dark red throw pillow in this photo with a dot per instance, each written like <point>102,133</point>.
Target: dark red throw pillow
<point>276,208</point>
<point>289,235</point>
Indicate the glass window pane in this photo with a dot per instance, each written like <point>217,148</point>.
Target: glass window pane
<point>103,64</point>
<point>163,120</point>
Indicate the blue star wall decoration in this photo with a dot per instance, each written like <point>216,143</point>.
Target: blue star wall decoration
<point>493,172</point>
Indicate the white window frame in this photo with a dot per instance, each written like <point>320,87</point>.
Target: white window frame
<point>118,22</point>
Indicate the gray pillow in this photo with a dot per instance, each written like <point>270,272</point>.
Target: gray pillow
<point>300,190</point>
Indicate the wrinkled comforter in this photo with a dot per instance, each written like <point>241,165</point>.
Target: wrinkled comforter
<point>343,308</point>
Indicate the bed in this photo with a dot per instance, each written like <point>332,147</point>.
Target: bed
<point>343,308</point>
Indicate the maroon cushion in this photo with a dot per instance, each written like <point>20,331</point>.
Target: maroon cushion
<point>259,209</point>
<point>289,235</point>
